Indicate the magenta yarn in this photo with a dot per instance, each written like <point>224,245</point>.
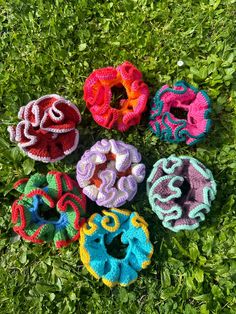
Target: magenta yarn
<point>182,97</point>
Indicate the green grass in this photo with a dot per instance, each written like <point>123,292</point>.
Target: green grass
<point>51,47</point>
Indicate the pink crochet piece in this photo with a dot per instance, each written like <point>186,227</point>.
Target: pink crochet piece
<point>98,96</point>
<point>47,131</point>
<point>184,97</point>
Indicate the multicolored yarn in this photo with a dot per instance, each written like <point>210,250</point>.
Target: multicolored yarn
<point>47,131</point>
<point>100,231</point>
<point>109,172</point>
<point>185,97</point>
<point>51,208</point>
<point>98,96</point>
<point>180,191</point>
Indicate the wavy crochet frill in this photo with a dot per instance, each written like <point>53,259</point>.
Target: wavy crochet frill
<point>98,96</point>
<point>50,209</point>
<point>47,130</point>
<point>180,190</point>
<point>182,97</point>
<point>109,172</point>
<point>100,231</point>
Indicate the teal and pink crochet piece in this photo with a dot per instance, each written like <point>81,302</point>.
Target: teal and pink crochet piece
<point>101,231</point>
<point>51,208</point>
<point>180,191</point>
<point>98,96</point>
<point>186,98</point>
<point>47,130</point>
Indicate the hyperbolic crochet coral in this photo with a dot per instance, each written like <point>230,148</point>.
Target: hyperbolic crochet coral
<point>47,131</point>
<point>51,208</point>
<point>109,172</point>
<point>183,97</point>
<point>101,231</point>
<point>98,96</point>
<point>180,191</point>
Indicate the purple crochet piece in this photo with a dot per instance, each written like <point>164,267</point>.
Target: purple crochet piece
<point>109,172</point>
<point>180,191</point>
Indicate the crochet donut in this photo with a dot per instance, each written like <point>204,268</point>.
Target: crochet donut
<point>186,98</point>
<point>98,96</point>
<point>180,191</point>
<point>47,131</point>
<point>51,208</point>
<point>109,172</point>
<point>101,231</point>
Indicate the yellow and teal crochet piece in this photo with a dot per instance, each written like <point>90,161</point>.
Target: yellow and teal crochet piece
<point>101,232</point>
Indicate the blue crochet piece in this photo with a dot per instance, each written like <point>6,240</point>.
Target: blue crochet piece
<point>100,230</point>
<point>59,224</point>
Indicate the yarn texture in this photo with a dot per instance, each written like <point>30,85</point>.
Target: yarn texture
<point>47,131</point>
<point>98,96</point>
<point>51,208</point>
<point>109,172</point>
<point>183,97</point>
<point>180,191</point>
<point>100,231</point>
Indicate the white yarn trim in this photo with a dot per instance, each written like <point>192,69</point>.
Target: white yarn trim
<point>56,110</point>
<point>24,114</point>
<point>49,159</point>
<point>43,159</point>
<point>12,133</point>
<point>21,112</point>
<point>46,97</point>
<point>76,142</point>
<point>24,125</point>
<point>49,112</point>
<point>35,109</point>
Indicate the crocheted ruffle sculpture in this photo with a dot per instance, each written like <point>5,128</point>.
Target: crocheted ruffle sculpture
<point>109,172</point>
<point>51,208</point>
<point>98,96</point>
<point>101,231</point>
<point>47,131</point>
<point>186,98</point>
<point>180,191</point>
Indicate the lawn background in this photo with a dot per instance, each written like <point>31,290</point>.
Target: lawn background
<point>51,47</point>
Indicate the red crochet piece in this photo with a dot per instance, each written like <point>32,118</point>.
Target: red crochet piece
<point>47,131</point>
<point>98,96</point>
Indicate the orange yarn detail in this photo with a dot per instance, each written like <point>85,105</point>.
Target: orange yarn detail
<point>98,96</point>
<point>97,181</point>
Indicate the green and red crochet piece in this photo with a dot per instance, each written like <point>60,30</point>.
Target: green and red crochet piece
<point>51,209</point>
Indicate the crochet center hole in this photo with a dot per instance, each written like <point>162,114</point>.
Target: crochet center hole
<point>118,93</point>
<point>47,213</point>
<point>185,188</point>
<point>179,113</point>
<point>116,248</point>
<point>97,181</point>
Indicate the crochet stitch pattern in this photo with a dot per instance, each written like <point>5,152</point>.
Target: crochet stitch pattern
<point>184,97</point>
<point>102,230</point>
<point>98,96</point>
<point>180,191</point>
<point>51,208</point>
<point>109,172</point>
<point>47,131</point>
